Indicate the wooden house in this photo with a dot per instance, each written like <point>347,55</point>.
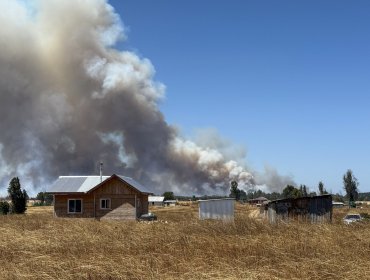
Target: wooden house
<point>100,197</point>
<point>316,209</point>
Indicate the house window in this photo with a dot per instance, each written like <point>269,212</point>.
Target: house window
<point>74,205</point>
<point>105,203</point>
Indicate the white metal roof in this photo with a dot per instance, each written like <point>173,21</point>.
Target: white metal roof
<point>215,199</point>
<point>153,198</point>
<point>134,184</point>
<point>84,184</point>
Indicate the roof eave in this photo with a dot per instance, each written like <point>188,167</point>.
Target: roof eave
<point>65,193</point>
<point>144,192</point>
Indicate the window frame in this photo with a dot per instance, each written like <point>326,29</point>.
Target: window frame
<point>69,199</point>
<point>106,208</point>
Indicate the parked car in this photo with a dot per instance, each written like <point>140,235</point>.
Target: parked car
<point>350,218</point>
<point>148,217</point>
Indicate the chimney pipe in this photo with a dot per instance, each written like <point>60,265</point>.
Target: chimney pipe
<point>101,172</point>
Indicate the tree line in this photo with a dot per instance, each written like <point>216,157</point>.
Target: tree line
<point>350,186</point>
<point>18,197</point>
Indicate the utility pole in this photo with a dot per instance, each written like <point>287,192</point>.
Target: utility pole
<point>101,172</point>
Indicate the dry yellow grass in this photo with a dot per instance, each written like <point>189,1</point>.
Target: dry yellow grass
<point>38,246</point>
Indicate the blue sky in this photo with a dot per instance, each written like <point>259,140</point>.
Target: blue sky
<point>289,80</point>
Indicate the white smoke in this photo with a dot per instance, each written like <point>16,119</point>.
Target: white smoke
<point>69,99</point>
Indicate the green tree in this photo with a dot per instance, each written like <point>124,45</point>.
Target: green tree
<point>313,194</point>
<point>4,207</point>
<point>234,191</point>
<point>350,185</point>
<point>304,193</point>
<point>18,197</point>
<point>322,190</point>
<point>364,196</point>
<point>45,198</point>
<point>168,196</point>
<point>301,190</point>
<point>242,195</point>
<point>338,197</point>
<point>291,192</point>
<point>273,196</point>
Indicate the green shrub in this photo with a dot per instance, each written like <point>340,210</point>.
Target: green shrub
<point>4,207</point>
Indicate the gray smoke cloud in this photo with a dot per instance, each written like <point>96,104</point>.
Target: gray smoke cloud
<point>270,180</point>
<point>69,100</point>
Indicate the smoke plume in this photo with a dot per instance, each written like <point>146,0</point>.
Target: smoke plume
<point>69,100</point>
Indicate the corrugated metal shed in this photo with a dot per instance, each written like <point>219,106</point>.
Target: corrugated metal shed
<point>84,184</point>
<point>221,209</point>
<point>314,209</point>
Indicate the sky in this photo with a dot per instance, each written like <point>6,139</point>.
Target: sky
<point>288,80</point>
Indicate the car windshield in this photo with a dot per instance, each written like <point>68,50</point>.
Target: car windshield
<point>353,217</point>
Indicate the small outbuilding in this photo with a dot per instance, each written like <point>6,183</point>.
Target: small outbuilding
<point>338,204</point>
<point>257,201</point>
<point>316,209</point>
<point>101,197</point>
<point>156,200</point>
<point>170,202</point>
<point>220,209</point>
<point>362,202</point>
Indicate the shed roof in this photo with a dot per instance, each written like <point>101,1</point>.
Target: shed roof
<point>215,199</point>
<point>85,184</point>
<point>300,198</point>
<point>261,198</point>
<point>337,203</point>
<point>170,201</point>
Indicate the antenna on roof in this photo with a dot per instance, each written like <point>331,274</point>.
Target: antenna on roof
<point>101,172</point>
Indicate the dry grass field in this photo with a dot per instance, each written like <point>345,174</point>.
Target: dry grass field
<point>179,246</point>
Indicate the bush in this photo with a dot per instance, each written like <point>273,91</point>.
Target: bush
<point>4,207</point>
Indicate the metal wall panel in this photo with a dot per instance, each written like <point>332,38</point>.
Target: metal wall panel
<point>221,209</point>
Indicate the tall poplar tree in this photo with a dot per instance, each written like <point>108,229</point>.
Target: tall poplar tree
<point>18,197</point>
<point>350,185</point>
